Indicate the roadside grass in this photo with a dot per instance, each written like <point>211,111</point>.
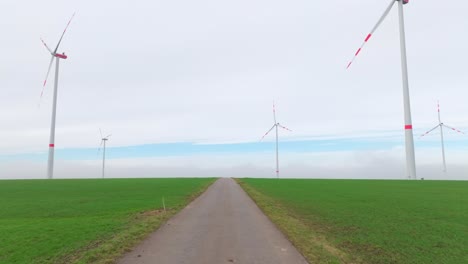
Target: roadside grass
<point>85,221</point>
<point>369,221</point>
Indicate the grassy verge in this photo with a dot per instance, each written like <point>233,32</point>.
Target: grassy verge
<point>85,221</point>
<point>346,221</point>
<point>312,244</point>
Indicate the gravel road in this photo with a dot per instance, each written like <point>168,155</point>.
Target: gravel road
<point>223,225</point>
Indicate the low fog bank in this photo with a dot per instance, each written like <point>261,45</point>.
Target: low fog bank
<point>158,169</point>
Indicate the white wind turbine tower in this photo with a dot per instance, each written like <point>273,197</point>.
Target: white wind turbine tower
<point>57,56</point>
<point>275,126</point>
<point>410,159</point>
<point>103,145</point>
<point>441,125</point>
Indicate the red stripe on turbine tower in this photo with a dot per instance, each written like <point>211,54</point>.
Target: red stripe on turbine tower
<point>51,145</point>
<point>408,126</point>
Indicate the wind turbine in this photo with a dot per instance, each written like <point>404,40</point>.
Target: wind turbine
<point>410,159</point>
<point>57,56</point>
<point>103,144</point>
<point>441,125</point>
<point>275,126</point>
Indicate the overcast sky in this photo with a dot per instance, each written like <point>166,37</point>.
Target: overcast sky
<point>207,72</point>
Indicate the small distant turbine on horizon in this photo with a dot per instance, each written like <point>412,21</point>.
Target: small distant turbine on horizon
<point>409,138</point>
<point>441,125</point>
<point>58,56</point>
<point>275,126</point>
<point>103,145</point>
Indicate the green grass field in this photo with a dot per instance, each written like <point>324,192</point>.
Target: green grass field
<point>84,221</point>
<point>369,221</point>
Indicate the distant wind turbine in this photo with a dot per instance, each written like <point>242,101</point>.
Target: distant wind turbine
<point>410,159</point>
<point>441,125</point>
<point>103,145</point>
<point>58,56</point>
<point>275,126</point>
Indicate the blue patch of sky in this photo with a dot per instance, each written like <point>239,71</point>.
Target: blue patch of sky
<point>190,149</point>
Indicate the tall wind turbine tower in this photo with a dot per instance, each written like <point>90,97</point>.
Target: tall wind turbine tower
<point>103,145</point>
<point>57,56</point>
<point>441,126</point>
<point>275,126</point>
<point>410,158</point>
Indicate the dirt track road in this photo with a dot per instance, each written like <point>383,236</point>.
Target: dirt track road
<point>223,225</point>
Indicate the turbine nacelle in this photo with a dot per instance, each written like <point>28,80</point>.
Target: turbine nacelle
<point>54,53</point>
<point>104,138</point>
<point>61,56</point>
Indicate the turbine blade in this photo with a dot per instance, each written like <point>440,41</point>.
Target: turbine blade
<point>429,131</point>
<point>47,47</point>
<point>47,75</point>
<point>438,111</point>
<point>382,18</point>
<point>108,135</point>
<point>454,129</point>
<point>283,127</point>
<point>268,132</point>
<point>100,132</point>
<point>274,112</point>
<point>65,30</point>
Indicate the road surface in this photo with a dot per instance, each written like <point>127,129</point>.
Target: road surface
<point>223,225</point>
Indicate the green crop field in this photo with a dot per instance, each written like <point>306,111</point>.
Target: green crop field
<point>369,221</point>
<point>84,221</point>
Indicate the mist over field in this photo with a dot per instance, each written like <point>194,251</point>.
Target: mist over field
<point>333,165</point>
